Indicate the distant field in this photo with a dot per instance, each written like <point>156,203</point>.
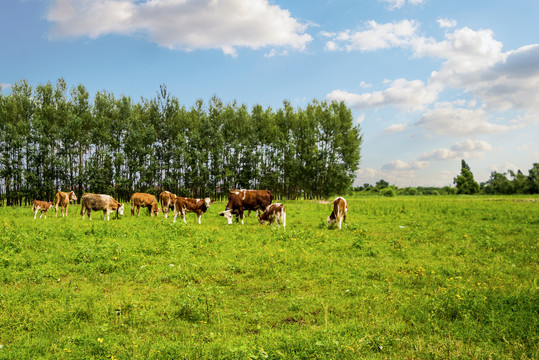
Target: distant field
<point>407,277</point>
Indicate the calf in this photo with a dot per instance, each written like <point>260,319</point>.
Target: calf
<point>183,205</point>
<point>274,212</point>
<point>42,206</point>
<point>338,215</point>
<point>63,199</point>
<point>166,198</point>
<point>240,200</point>
<point>149,201</point>
<point>98,202</point>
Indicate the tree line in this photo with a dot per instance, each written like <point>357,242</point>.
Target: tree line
<point>465,184</point>
<point>53,138</point>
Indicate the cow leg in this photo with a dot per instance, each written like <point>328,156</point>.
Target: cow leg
<point>45,214</point>
<point>42,215</point>
<point>105,215</point>
<point>35,213</point>
<point>339,222</point>
<point>165,211</point>
<point>89,214</point>
<point>199,216</point>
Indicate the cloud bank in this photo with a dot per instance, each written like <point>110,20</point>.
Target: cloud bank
<point>182,24</point>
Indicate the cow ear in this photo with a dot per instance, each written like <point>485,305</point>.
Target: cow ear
<point>222,213</point>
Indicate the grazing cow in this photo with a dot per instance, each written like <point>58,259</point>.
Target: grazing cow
<point>240,200</point>
<point>183,205</point>
<point>149,201</point>
<point>98,202</point>
<point>338,215</point>
<point>274,212</point>
<point>63,199</point>
<point>42,206</point>
<point>166,198</point>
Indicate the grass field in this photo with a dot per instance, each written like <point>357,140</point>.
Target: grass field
<point>407,277</point>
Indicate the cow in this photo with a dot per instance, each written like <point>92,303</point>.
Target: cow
<point>274,212</point>
<point>183,205</point>
<point>99,202</point>
<point>338,215</point>
<point>63,199</point>
<point>149,201</point>
<point>240,200</point>
<point>166,198</point>
<point>42,206</point>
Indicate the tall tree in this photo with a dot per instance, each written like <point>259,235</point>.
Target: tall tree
<point>465,181</point>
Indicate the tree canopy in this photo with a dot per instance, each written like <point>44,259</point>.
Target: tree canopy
<point>53,138</point>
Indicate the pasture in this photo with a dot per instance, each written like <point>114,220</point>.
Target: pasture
<point>406,277</point>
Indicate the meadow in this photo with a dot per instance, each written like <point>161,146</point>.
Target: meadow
<point>407,278</point>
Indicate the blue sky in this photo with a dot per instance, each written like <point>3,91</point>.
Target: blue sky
<point>430,82</point>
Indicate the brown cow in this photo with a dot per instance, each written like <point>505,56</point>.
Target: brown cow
<point>240,200</point>
<point>338,215</point>
<point>184,205</point>
<point>272,213</point>
<point>98,202</point>
<point>42,206</point>
<point>149,201</point>
<point>63,199</point>
<point>166,198</point>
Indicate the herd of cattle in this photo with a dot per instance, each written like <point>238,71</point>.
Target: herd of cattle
<point>238,202</point>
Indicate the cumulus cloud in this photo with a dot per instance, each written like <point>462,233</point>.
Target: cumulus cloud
<point>403,165</point>
<point>464,149</point>
<point>395,128</point>
<point>4,86</point>
<point>182,24</point>
<point>445,119</point>
<point>374,37</point>
<point>397,4</point>
<point>404,94</point>
<point>447,23</point>
<point>472,60</point>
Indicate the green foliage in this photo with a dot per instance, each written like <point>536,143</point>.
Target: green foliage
<point>465,181</point>
<point>53,138</point>
<point>406,277</point>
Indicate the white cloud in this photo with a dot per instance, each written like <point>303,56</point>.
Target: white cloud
<point>404,94</point>
<point>395,128</point>
<point>445,119</point>
<point>464,149</point>
<point>182,24</point>
<point>503,168</point>
<point>376,36</point>
<point>4,86</point>
<point>403,165</point>
<point>397,4</point>
<point>447,23</point>
<point>473,60</point>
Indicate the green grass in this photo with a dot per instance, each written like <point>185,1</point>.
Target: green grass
<point>407,277</point>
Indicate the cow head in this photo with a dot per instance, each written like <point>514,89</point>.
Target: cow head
<point>155,210</point>
<point>120,210</point>
<point>331,220</point>
<point>72,196</point>
<point>227,214</point>
<point>207,202</point>
<point>51,205</point>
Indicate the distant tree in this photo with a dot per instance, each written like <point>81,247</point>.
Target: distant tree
<point>381,184</point>
<point>519,182</point>
<point>465,181</point>
<point>497,184</point>
<point>532,183</point>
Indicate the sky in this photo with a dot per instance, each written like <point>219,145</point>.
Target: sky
<point>429,82</point>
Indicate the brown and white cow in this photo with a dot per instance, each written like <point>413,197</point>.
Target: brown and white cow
<point>149,201</point>
<point>42,206</point>
<point>241,200</point>
<point>184,205</point>
<point>274,212</point>
<point>63,199</point>
<point>99,202</point>
<point>338,215</point>
<point>166,198</point>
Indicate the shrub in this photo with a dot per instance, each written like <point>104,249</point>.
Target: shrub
<point>389,192</point>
